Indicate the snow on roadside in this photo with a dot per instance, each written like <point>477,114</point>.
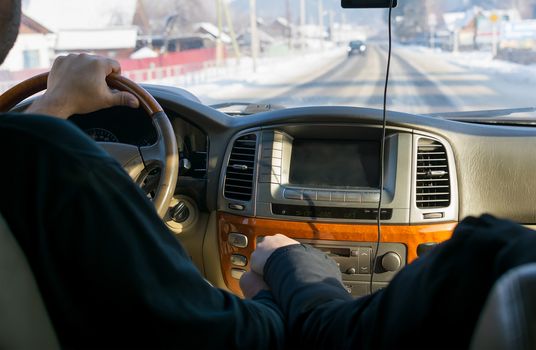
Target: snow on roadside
<point>483,62</point>
<point>273,75</point>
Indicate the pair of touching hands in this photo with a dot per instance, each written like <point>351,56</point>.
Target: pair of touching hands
<point>77,85</point>
<point>252,282</point>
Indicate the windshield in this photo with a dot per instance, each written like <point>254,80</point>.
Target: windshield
<point>447,55</point>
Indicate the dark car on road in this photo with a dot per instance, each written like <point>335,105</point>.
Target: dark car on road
<point>356,47</point>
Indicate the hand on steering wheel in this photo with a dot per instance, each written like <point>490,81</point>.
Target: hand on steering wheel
<point>81,84</point>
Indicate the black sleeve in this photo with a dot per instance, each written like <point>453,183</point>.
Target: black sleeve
<point>307,285</point>
<point>433,302</point>
<point>109,270</point>
<point>145,280</point>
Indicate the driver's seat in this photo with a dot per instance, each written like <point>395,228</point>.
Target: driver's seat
<point>24,322</point>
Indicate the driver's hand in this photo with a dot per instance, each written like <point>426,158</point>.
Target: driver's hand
<point>251,284</point>
<point>265,248</point>
<point>77,85</point>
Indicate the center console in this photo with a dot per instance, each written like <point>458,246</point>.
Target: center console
<point>328,175</point>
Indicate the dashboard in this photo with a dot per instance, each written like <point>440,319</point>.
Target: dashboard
<point>312,173</point>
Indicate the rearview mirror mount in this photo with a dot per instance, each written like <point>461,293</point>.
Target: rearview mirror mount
<point>367,4</point>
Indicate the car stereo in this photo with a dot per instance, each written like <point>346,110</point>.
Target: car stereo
<point>331,173</point>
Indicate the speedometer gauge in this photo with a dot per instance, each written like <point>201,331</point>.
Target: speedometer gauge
<point>101,135</point>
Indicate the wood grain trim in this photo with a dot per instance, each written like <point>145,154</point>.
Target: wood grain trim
<point>30,87</point>
<point>411,236</point>
<point>22,91</point>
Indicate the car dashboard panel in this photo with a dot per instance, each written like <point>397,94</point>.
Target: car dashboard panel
<point>319,183</point>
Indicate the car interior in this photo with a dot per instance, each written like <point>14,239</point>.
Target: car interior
<point>221,181</point>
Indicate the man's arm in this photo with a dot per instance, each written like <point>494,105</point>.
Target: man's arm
<point>307,285</point>
<point>109,270</point>
<point>111,273</point>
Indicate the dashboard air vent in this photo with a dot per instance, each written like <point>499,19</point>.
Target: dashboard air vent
<point>240,170</point>
<point>433,178</point>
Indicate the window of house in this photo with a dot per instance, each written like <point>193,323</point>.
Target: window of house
<point>31,58</point>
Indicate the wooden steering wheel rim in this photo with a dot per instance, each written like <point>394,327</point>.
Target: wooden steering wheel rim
<point>166,135</point>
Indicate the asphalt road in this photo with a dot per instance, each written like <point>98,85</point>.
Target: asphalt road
<point>420,82</point>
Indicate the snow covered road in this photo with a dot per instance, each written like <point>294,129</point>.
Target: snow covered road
<point>421,81</point>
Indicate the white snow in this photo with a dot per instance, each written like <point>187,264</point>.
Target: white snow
<point>144,52</point>
<point>483,62</point>
<point>238,81</point>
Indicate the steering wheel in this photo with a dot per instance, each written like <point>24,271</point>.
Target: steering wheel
<point>141,163</point>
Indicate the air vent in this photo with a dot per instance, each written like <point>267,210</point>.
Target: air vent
<point>433,178</point>
<point>240,170</point>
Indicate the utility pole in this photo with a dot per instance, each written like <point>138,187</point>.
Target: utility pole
<point>231,31</point>
<point>321,22</point>
<point>302,24</point>
<point>254,34</point>
<point>219,42</point>
<point>289,25</point>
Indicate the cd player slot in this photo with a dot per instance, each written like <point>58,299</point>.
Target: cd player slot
<point>311,211</point>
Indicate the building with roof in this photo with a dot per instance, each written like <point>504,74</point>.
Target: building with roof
<point>33,48</point>
<point>213,31</point>
<point>114,42</point>
<point>81,14</point>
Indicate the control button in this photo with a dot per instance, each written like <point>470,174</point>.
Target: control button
<point>353,197</point>
<point>391,262</point>
<point>238,240</point>
<point>323,195</point>
<point>364,257</point>
<point>311,195</point>
<point>337,196</point>
<point>180,213</point>
<point>239,207</point>
<point>237,273</point>
<point>293,194</point>
<point>370,197</point>
<point>351,271</point>
<point>239,260</point>
<point>424,248</point>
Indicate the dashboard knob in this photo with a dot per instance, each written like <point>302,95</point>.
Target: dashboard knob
<point>391,262</point>
<point>180,213</point>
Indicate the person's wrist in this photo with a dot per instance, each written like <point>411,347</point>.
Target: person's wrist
<point>50,105</point>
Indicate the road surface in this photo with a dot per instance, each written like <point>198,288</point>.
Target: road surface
<point>421,81</point>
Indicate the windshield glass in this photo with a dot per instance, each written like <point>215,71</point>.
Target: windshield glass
<point>448,56</point>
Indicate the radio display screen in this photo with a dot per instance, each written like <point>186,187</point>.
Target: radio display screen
<point>334,163</point>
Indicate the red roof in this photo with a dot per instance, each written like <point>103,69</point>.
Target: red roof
<point>31,26</point>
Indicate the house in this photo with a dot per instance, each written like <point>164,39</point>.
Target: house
<point>82,14</point>
<point>33,48</point>
<point>476,27</point>
<point>279,28</point>
<point>114,42</point>
<point>212,31</point>
<point>244,40</point>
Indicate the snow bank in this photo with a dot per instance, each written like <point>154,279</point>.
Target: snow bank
<point>483,62</point>
<point>238,80</point>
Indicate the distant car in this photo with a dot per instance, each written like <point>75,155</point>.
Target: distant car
<point>356,47</point>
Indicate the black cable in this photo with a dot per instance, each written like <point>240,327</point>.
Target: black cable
<point>382,151</point>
